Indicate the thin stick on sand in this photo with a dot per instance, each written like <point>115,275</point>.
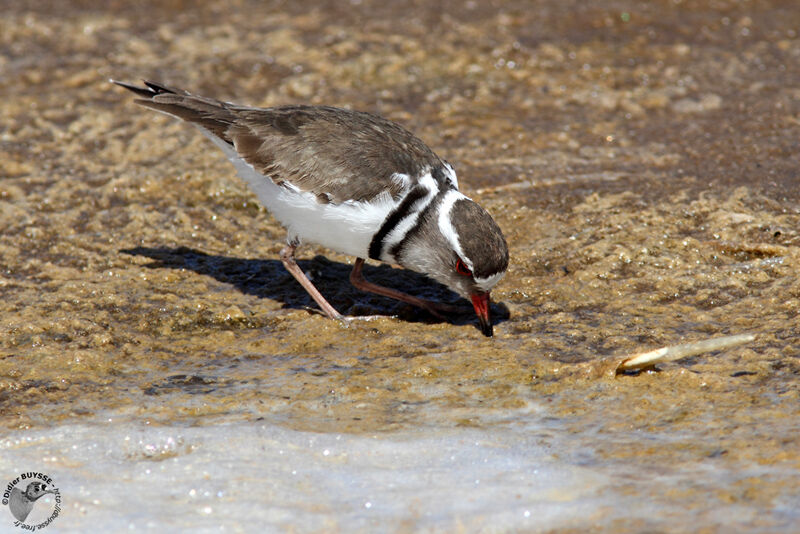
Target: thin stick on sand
<point>676,352</point>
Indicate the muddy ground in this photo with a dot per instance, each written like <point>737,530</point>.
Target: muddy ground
<point>641,158</point>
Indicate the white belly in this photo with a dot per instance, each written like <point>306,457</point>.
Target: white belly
<point>346,228</point>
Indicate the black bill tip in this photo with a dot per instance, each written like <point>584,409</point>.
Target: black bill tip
<point>480,301</point>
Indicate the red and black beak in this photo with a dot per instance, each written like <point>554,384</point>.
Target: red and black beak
<point>481,303</point>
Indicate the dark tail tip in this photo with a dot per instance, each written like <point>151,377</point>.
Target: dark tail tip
<point>141,91</point>
<point>150,90</point>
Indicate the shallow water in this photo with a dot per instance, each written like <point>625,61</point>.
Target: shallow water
<point>527,474</point>
<point>640,158</point>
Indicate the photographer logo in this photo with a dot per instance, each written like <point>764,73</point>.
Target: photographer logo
<point>33,500</point>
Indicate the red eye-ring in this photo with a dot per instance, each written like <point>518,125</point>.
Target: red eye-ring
<point>462,269</point>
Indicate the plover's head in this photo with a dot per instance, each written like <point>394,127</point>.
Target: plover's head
<point>36,490</point>
<point>460,245</point>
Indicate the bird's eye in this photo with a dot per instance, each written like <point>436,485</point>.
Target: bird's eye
<point>462,269</point>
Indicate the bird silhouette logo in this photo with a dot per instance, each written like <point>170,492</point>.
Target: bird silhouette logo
<point>21,501</point>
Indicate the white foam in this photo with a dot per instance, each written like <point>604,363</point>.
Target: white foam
<point>128,476</point>
<point>511,476</point>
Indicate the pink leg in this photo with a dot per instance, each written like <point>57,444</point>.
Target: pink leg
<point>287,257</point>
<point>435,308</point>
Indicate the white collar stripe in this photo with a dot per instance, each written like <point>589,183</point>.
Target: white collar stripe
<point>446,225</point>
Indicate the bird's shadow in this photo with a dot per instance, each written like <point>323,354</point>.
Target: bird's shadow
<point>268,279</point>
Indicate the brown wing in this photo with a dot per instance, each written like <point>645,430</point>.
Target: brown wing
<point>336,154</point>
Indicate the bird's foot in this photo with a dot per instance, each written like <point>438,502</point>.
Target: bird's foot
<point>366,318</point>
<point>346,319</point>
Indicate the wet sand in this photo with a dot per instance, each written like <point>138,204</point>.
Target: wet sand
<point>641,160</point>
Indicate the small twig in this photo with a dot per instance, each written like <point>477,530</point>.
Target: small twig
<point>676,352</point>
